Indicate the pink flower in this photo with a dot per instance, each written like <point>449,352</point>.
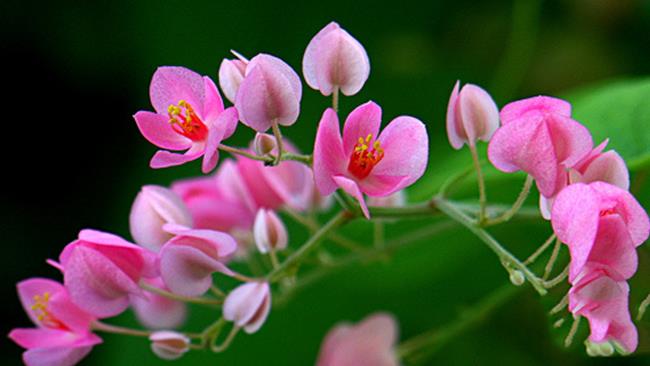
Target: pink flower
<point>169,345</point>
<point>101,270</point>
<point>158,312</point>
<point>188,261</point>
<point>364,161</point>
<point>602,221</point>
<point>335,60</point>
<point>62,336</point>
<point>608,167</point>
<point>189,115</point>
<point>231,74</point>
<point>270,93</point>
<point>248,305</point>
<point>154,207</point>
<point>369,343</point>
<point>539,137</point>
<point>471,115</point>
<point>219,202</point>
<point>269,232</point>
<point>604,302</point>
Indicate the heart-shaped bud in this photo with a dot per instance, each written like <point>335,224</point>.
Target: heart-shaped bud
<point>248,305</point>
<point>231,74</point>
<point>269,231</point>
<point>169,345</point>
<point>264,144</point>
<point>471,115</point>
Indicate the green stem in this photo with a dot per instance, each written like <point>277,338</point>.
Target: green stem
<point>481,184</point>
<point>516,206</point>
<point>424,209</point>
<point>418,348</point>
<point>454,180</point>
<point>173,296</point>
<point>279,140</point>
<point>312,225</point>
<point>540,250</point>
<point>335,99</point>
<point>305,159</point>
<point>551,262</point>
<point>226,343</point>
<point>109,328</point>
<point>294,260</point>
<point>642,308</point>
<point>504,255</point>
<point>558,279</point>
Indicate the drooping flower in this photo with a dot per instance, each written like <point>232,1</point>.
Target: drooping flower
<point>364,161</point>
<point>538,136</point>
<point>101,271</point>
<point>231,74</point>
<point>188,260</point>
<point>156,311</point>
<point>62,336</point>
<point>597,166</point>
<point>270,93</point>
<point>335,60</point>
<point>370,342</point>
<point>471,115</point>
<point>585,215</point>
<point>189,115</point>
<point>269,232</point>
<point>248,305</point>
<point>169,345</point>
<point>153,207</point>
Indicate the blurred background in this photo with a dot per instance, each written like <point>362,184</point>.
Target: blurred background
<point>75,72</point>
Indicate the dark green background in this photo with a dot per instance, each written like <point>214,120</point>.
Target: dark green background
<point>75,72</point>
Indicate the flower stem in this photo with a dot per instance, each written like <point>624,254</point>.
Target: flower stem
<point>549,266</point>
<point>642,308</point>
<point>109,328</point>
<point>540,250</point>
<point>418,348</point>
<point>226,343</point>
<point>481,184</point>
<point>173,296</point>
<point>558,279</point>
<point>279,140</point>
<point>504,255</point>
<point>454,180</point>
<point>305,159</point>
<point>335,99</point>
<point>572,332</point>
<point>516,206</point>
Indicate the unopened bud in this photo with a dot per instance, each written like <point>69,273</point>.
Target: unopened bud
<point>248,305</point>
<point>517,278</point>
<point>169,345</point>
<point>269,231</point>
<point>231,74</point>
<point>264,144</point>
<point>605,349</point>
<point>471,115</point>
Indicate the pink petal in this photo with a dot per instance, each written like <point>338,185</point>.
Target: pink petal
<point>382,185</point>
<point>159,312</point>
<point>170,84</point>
<point>292,182</point>
<point>453,133</point>
<point>186,270</point>
<point>231,74</point>
<point>364,120</point>
<point>59,356</point>
<point>165,159</point>
<point>352,188</point>
<point>406,150</point>
<point>608,167</point>
<point>213,105</point>
<point>32,287</point>
<point>540,104</point>
<point>211,154</point>
<point>571,140</point>
<point>478,113</point>
<point>311,56</point>
<point>51,338</point>
<point>248,305</point>
<point>329,158</point>
<point>157,130</point>
<point>613,249</point>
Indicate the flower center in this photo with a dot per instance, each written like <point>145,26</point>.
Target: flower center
<point>43,315</point>
<point>365,156</point>
<point>185,121</point>
<point>606,212</point>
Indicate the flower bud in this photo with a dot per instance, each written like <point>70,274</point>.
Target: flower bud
<point>264,144</point>
<point>154,207</point>
<point>335,60</point>
<point>269,231</point>
<point>169,345</point>
<point>270,93</point>
<point>248,305</point>
<point>231,74</point>
<point>471,115</point>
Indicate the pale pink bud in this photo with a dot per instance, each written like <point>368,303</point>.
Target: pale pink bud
<point>154,207</point>
<point>231,74</point>
<point>335,60</point>
<point>248,305</point>
<point>269,231</point>
<point>264,144</point>
<point>270,93</point>
<point>471,115</point>
<point>169,345</point>
<point>396,199</point>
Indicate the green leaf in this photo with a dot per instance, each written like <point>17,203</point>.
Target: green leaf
<point>619,111</point>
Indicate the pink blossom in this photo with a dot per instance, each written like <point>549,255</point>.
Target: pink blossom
<point>62,336</point>
<point>101,271</point>
<point>270,93</point>
<point>604,302</point>
<point>539,137</point>
<point>158,312</point>
<point>248,305</point>
<point>335,60</point>
<point>471,115</point>
<point>231,74</point>
<point>188,260</point>
<point>371,342</point>
<point>364,161</point>
<point>269,231</point>
<point>596,166</point>
<point>189,116</point>
<point>153,207</point>
<point>589,216</point>
<point>169,345</point>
